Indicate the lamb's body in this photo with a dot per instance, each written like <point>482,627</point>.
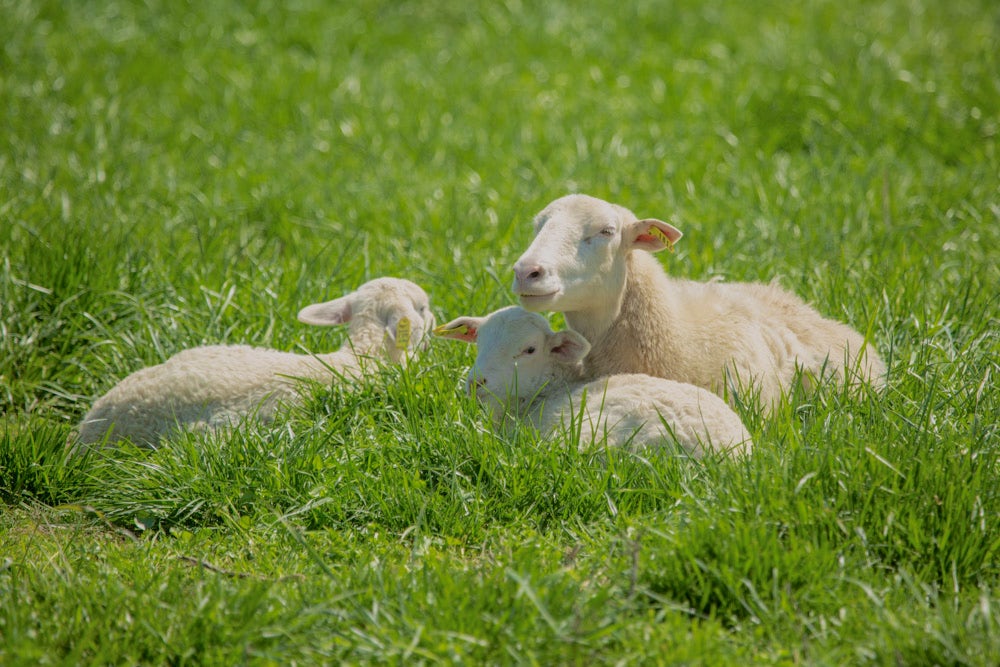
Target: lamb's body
<point>641,411</point>
<point>524,370</point>
<point>720,336</point>
<point>205,387</point>
<point>220,385</point>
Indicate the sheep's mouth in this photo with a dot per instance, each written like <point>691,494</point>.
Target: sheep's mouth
<point>524,296</point>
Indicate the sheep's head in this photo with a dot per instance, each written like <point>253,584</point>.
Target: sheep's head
<point>388,317</point>
<point>518,354</point>
<point>578,257</point>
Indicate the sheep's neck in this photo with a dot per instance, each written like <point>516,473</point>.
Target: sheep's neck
<point>644,303</point>
<point>596,322</point>
<point>562,377</point>
<point>593,323</point>
<point>560,382</point>
<point>366,340</point>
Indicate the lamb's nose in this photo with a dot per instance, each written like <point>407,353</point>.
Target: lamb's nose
<point>526,273</point>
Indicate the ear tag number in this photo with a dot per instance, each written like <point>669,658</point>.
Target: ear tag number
<point>658,233</point>
<point>403,334</point>
<point>443,330</point>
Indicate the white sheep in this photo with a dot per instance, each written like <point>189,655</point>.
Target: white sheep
<point>591,260</point>
<point>220,385</point>
<point>524,369</point>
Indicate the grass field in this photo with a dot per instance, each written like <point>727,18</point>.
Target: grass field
<point>175,174</point>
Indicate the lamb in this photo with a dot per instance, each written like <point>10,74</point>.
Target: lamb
<point>525,369</point>
<point>592,260</point>
<point>219,385</point>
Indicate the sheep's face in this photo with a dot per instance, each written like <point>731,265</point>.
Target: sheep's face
<point>577,260</point>
<point>389,317</point>
<point>403,310</point>
<point>518,355</point>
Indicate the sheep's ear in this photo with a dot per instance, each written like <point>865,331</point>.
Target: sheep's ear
<point>398,332</point>
<point>328,313</point>
<point>653,235</point>
<point>463,328</point>
<point>568,346</point>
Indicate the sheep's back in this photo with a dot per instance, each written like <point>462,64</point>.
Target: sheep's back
<point>206,386</point>
<point>735,337</point>
<point>642,411</point>
<point>797,336</point>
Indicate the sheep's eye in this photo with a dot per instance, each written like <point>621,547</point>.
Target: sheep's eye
<point>529,350</point>
<point>605,233</point>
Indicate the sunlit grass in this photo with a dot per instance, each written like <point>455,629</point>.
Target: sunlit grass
<point>176,174</point>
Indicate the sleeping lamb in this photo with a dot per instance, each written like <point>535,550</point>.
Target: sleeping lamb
<point>524,369</point>
<point>591,260</point>
<point>219,385</point>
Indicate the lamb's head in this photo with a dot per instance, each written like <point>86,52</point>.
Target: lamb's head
<point>389,318</point>
<point>518,354</point>
<point>578,257</point>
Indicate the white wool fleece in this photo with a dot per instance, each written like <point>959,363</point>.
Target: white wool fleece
<point>219,385</point>
<point>524,370</point>
<point>591,260</point>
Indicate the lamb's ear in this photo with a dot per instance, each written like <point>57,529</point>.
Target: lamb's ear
<point>328,313</point>
<point>652,235</point>
<point>463,328</point>
<point>398,332</point>
<point>568,346</point>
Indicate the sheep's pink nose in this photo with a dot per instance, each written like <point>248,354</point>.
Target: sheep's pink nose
<point>525,273</point>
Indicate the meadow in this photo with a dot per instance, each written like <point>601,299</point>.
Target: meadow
<point>175,174</point>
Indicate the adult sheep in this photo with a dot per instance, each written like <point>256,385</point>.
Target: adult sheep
<point>592,260</point>
<point>525,370</point>
<point>220,385</point>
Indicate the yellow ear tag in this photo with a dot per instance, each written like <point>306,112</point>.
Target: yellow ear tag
<point>443,330</point>
<point>658,233</point>
<point>403,334</point>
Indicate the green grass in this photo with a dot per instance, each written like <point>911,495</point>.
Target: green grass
<point>177,174</point>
